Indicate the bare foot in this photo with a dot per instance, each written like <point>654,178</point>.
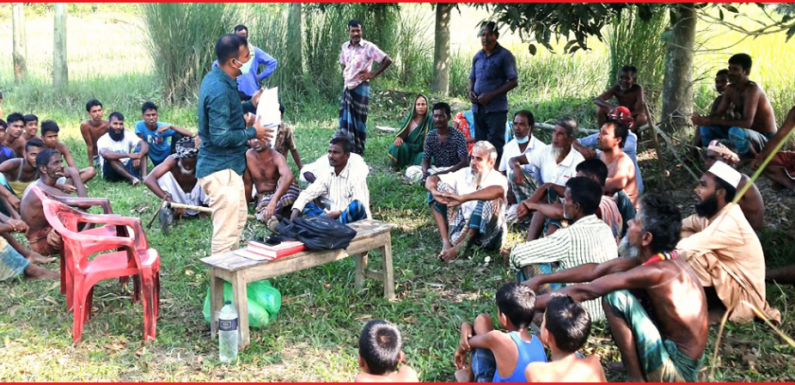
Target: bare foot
<point>37,272</point>
<point>464,375</point>
<point>136,182</point>
<point>38,258</point>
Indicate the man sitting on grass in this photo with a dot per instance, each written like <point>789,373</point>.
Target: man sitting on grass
<point>31,127</point>
<point>123,155</point>
<point>93,129</point>
<point>628,94</point>
<point>501,356</point>
<point>14,139</point>
<point>16,259</point>
<point>587,240</point>
<point>655,304</point>
<point>158,135</point>
<point>565,330</point>
<point>310,171</point>
<point>752,204</point>
<point>723,250</point>
<point>174,180</point>
<point>270,178</point>
<point>346,189</point>
<point>557,164</point>
<point>380,353</point>
<point>42,237</point>
<point>468,205</point>
<point>49,135</point>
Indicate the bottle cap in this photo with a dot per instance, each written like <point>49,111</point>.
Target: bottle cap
<point>228,303</point>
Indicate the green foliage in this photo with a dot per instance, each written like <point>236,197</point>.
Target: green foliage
<point>414,48</point>
<point>181,42</point>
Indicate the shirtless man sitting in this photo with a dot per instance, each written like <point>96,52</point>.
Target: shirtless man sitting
<point>93,129</point>
<point>620,168</point>
<point>756,123</point>
<point>268,174</point>
<point>661,346</point>
<point>42,237</point>
<point>627,94</point>
<point>14,138</point>
<point>752,203</point>
<point>49,135</point>
<point>174,180</point>
<point>19,173</point>
<point>31,127</point>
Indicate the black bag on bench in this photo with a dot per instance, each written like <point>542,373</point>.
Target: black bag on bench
<point>317,233</point>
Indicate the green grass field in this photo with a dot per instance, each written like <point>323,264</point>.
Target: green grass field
<point>316,334</point>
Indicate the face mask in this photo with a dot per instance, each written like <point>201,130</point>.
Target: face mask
<point>246,66</point>
<point>523,140</point>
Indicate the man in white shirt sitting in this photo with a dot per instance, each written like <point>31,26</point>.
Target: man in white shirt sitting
<point>476,198</point>
<point>309,172</point>
<point>558,164</point>
<point>522,179</point>
<point>342,185</point>
<point>122,153</point>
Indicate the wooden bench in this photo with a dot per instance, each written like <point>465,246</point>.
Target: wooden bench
<point>370,235</point>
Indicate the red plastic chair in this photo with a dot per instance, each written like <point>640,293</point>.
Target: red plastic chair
<point>112,231</point>
<point>83,203</point>
<point>135,259</point>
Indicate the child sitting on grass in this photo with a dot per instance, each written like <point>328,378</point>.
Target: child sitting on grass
<point>380,353</point>
<point>565,330</point>
<point>501,356</point>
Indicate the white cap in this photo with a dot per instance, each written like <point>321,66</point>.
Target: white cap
<point>726,172</point>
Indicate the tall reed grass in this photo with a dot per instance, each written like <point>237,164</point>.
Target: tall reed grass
<point>634,41</point>
<point>181,43</point>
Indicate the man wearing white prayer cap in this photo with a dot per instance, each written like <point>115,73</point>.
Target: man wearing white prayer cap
<point>752,203</point>
<point>723,249</point>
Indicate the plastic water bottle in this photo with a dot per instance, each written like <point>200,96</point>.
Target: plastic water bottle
<point>227,333</point>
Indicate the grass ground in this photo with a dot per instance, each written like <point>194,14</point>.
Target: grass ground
<point>315,335</point>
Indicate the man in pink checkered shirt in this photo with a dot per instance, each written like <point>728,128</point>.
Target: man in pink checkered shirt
<point>356,59</point>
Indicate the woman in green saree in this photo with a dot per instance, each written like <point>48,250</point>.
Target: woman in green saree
<point>410,140</point>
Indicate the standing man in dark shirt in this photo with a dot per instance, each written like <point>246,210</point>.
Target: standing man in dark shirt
<point>224,133</point>
<point>493,74</point>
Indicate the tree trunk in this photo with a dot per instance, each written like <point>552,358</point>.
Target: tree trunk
<point>294,63</point>
<point>60,71</point>
<point>441,50</point>
<point>20,52</point>
<point>677,83</point>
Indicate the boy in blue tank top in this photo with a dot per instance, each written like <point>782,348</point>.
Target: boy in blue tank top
<point>499,356</point>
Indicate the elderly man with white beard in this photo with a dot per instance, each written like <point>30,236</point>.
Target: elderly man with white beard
<point>469,204</point>
<point>175,181</point>
<point>587,240</point>
<point>557,164</point>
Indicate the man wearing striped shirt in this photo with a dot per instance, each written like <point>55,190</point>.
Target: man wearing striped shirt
<point>587,240</point>
<point>347,189</point>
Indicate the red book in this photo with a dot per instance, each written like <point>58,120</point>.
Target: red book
<point>281,250</point>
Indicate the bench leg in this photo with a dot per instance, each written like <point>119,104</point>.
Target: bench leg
<point>241,304</point>
<point>389,273</point>
<point>216,301</point>
<point>361,269</point>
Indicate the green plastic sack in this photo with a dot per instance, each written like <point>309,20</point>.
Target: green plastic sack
<point>264,302</point>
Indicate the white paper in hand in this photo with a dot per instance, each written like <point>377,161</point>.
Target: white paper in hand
<point>268,112</point>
